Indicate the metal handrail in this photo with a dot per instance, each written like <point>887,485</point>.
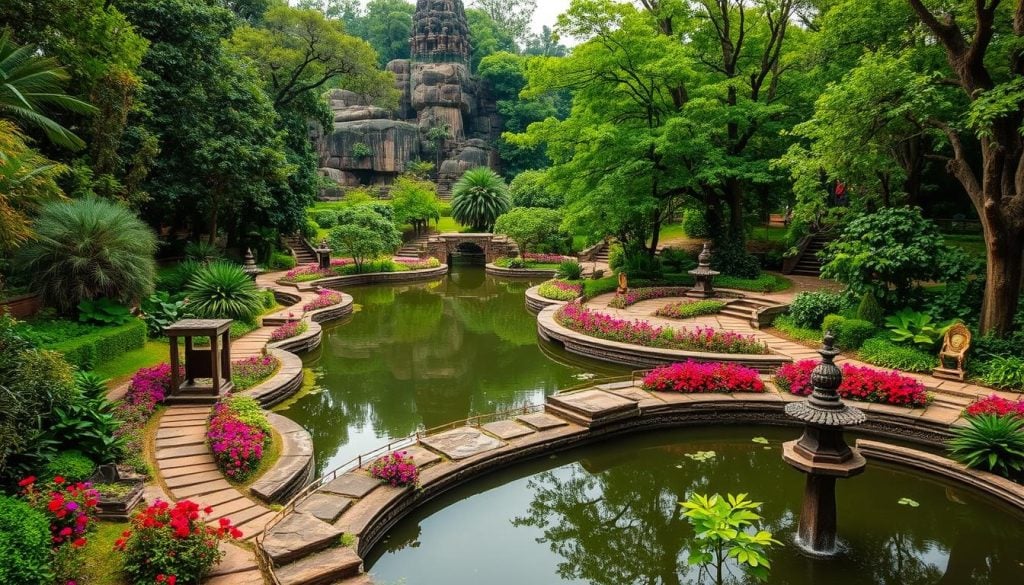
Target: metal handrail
<point>267,564</point>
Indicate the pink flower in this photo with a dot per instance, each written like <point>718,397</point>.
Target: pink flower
<point>859,383</point>
<point>696,377</point>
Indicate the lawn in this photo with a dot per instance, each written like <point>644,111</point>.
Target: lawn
<point>101,565</point>
<point>973,244</point>
<point>122,367</point>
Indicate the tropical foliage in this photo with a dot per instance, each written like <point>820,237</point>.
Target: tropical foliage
<point>991,442</point>
<point>222,290</point>
<point>728,528</point>
<point>479,198</point>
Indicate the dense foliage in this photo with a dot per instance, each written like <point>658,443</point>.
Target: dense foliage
<point>991,442</point>
<point>364,234</point>
<point>479,198</point>
<point>222,290</point>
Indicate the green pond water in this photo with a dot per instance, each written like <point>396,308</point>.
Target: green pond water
<point>608,514</point>
<point>422,355</point>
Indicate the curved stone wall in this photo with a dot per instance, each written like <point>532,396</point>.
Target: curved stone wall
<point>519,272</point>
<point>642,357</point>
<point>372,278</point>
<point>536,303</point>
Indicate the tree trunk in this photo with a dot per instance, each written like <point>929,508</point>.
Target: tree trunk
<point>213,225</point>
<point>655,235</point>
<point>1004,258</point>
<point>734,198</point>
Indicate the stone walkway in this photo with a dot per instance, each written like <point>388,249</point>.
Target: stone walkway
<point>186,469</point>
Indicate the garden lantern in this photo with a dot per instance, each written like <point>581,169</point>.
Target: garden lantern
<point>208,368</point>
<point>323,254</point>
<point>249,265</point>
<point>703,272</point>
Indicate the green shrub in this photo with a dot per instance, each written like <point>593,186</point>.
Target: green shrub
<point>160,311</point>
<point>884,353</point>
<point>25,555</point>
<point>909,326</point>
<point>251,413</point>
<point>849,333</point>
<point>990,442</point>
<point>88,425</point>
<point>222,290</point>
<point>869,309</point>
<point>570,270</point>
<point>44,330</point>
<point>326,218</point>
<point>90,385</point>
<point>268,299</point>
<point>677,260</point>
<point>71,465</point>
<point>100,347</point>
<point>810,308</point>
<point>1003,372</point>
<point>176,280</point>
<point>788,326</point>
<point>732,259</point>
<point>695,224</point>
<point>281,261</point>
<point>616,257</point>
<point>202,251</point>
<point>310,230</point>
<point>479,198</point>
<point>688,309</point>
<point>103,312</point>
<point>117,264</point>
<point>593,288</point>
<point>763,283</point>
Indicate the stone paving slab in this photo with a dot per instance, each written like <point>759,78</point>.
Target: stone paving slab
<point>184,451</point>
<point>298,535</point>
<point>171,432</point>
<point>200,489</point>
<point>188,461</point>
<point>189,470</point>
<point>229,508</point>
<point>461,443</point>
<point>595,403</point>
<point>193,439</point>
<point>172,424</point>
<point>192,479</point>
<point>632,393</point>
<point>542,421</point>
<point>252,577</point>
<point>353,485</point>
<point>245,514</point>
<point>422,457</point>
<point>507,429</point>
<point>255,526</point>
<point>325,507</point>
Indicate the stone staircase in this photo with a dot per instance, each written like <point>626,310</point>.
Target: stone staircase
<point>756,311</point>
<point>301,249</point>
<point>809,263</point>
<point>415,247</point>
<point>602,253</point>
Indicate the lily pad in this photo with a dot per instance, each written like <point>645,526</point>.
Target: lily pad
<point>702,455</point>
<point>908,502</point>
<point>760,440</point>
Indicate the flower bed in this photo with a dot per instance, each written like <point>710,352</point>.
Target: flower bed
<point>325,297</point>
<point>70,509</point>
<point>694,377</point>
<point>688,309</point>
<point>289,330</point>
<point>545,258</point>
<point>411,264</point>
<point>996,405</point>
<point>859,383</point>
<point>705,339</point>
<point>560,290</point>
<point>396,469</point>
<point>347,267</point>
<point>634,296</point>
<point>536,261</point>
<point>250,372</point>
<point>147,389</point>
<point>238,433</point>
<point>170,544</point>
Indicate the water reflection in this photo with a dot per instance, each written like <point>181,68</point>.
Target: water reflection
<point>419,356</point>
<point>611,517</point>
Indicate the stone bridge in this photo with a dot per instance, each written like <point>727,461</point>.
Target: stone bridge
<point>443,246</point>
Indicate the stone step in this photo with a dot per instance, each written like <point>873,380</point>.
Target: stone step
<point>321,568</point>
<point>298,536</point>
<point>568,415</point>
<point>192,479</point>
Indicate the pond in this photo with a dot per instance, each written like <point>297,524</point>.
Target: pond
<point>422,355</point>
<point>608,514</point>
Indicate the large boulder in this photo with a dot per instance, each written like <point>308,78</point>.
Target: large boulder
<point>392,144</point>
<point>443,84</point>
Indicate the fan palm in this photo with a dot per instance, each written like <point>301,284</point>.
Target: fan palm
<point>479,197</point>
<point>28,82</point>
<point>89,249</point>
<point>222,290</point>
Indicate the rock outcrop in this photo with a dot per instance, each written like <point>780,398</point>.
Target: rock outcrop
<point>438,96</point>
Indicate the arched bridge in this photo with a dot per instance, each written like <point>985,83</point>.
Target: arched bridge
<point>442,246</point>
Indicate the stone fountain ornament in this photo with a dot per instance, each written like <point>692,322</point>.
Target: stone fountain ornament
<point>703,274</point>
<point>822,453</point>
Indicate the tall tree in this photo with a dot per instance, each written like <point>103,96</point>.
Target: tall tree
<point>388,26</point>
<point>486,37</point>
<point>512,16</point>
<point>984,45</point>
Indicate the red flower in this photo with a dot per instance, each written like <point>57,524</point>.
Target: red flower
<point>78,542</point>
<point>58,480</point>
<point>27,481</point>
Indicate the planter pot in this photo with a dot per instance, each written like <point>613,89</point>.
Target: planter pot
<point>119,508</point>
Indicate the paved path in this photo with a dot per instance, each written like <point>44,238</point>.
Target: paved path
<point>185,467</point>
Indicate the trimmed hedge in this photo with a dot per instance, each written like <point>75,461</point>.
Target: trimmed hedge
<point>850,333</point>
<point>25,555</point>
<point>94,349</point>
<point>282,261</point>
<point>880,351</point>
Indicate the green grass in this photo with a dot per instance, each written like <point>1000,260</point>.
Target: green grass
<point>973,244</point>
<point>123,366</point>
<point>772,233</point>
<point>101,564</point>
<point>448,225</point>
<point>673,230</point>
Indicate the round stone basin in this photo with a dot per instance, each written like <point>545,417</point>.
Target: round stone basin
<point>608,514</point>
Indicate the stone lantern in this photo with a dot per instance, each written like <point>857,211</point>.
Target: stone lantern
<point>703,273</point>
<point>822,453</point>
<point>207,369</point>
<point>323,254</point>
<point>249,265</point>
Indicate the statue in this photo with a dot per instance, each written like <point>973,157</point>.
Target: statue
<point>623,284</point>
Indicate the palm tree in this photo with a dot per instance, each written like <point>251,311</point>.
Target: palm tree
<point>89,249</point>
<point>28,82</point>
<point>479,197</point>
